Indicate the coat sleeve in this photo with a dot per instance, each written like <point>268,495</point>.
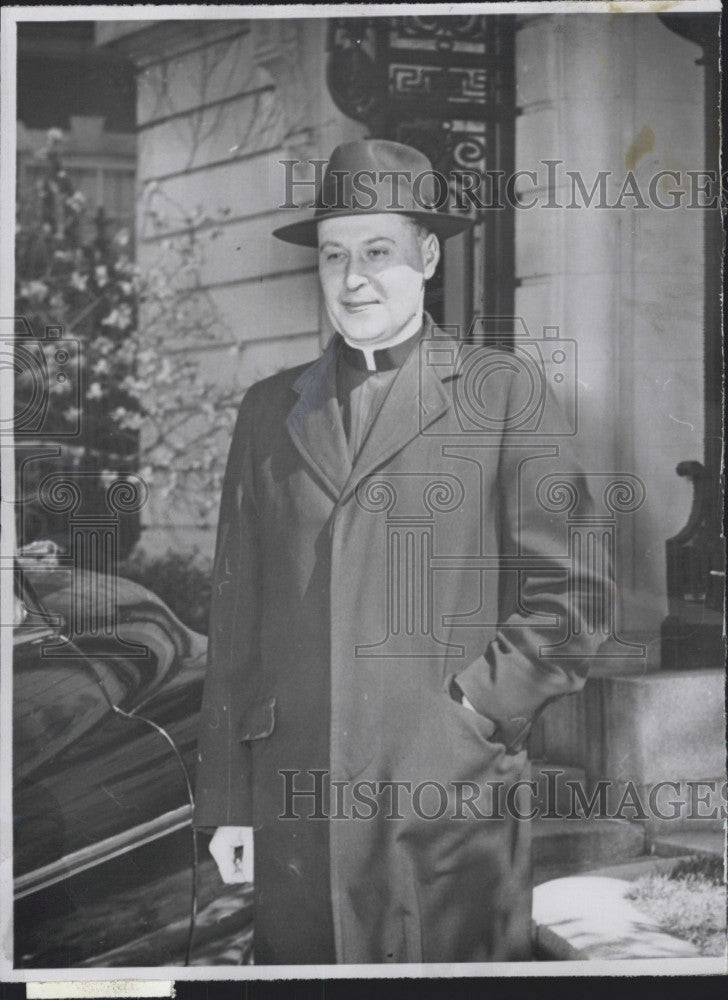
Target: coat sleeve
<point>223,787</point>
<point>531,661</point>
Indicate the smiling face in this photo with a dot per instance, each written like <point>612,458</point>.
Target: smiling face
<point>373,270</point>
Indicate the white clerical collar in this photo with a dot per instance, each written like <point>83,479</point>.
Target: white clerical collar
<point>380,356</point>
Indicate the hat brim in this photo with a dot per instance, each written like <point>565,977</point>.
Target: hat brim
<point>305,232</point>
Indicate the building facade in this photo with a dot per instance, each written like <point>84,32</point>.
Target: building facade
<point>600,121</point>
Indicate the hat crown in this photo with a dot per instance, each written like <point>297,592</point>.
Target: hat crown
<point>368,176</point>
<point>378,154</point>
<point>377,175</point>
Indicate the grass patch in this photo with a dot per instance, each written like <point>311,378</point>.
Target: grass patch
<point>689,902</point>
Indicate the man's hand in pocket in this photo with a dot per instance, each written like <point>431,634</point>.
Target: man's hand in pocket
<point>459,695</point>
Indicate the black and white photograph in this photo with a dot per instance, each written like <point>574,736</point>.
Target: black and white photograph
<point>362,559</point>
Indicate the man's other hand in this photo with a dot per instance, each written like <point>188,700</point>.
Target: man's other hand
<point>232,849</point>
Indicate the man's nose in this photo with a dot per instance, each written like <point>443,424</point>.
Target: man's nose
<point>355,276</point>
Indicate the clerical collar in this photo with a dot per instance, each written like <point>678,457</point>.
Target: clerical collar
<point>386,359</point>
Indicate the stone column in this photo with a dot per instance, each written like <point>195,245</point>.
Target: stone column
<point>93,557</point>
<point>618,93</point>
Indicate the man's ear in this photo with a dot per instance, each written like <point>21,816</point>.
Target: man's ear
<point>430,254</point>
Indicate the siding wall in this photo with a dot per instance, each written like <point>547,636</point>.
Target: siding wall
<point>219,104</point>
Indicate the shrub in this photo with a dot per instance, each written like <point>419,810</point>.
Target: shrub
<point>183,580</point>
<point>689,902</point>
<point>706,866</point>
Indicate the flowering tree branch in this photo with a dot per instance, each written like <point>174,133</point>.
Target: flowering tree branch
<point>145,403</point>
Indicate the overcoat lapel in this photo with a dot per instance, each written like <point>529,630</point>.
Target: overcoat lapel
<point>416,398</point>
<point>315,423</point>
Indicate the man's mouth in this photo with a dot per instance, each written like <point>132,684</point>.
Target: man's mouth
<point>355,307</point>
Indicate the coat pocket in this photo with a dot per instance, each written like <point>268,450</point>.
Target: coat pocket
<point>258,720</point>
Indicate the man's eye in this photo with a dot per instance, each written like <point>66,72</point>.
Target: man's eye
<point>333,256</point>
<point>378,252</point>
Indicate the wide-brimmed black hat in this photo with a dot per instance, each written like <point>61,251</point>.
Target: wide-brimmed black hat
<point>374,175</point>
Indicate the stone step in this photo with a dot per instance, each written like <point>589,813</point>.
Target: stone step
<point>554,793</point>
<point>647,864</point>
<point>710,842</point>
<point>564,846</point>
<point>593,918</point>
<point>579,842</point>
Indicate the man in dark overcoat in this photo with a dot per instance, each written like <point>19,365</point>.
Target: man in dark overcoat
<point>397,594</point>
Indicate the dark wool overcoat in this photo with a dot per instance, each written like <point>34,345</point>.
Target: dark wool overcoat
<point>344,601</point>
